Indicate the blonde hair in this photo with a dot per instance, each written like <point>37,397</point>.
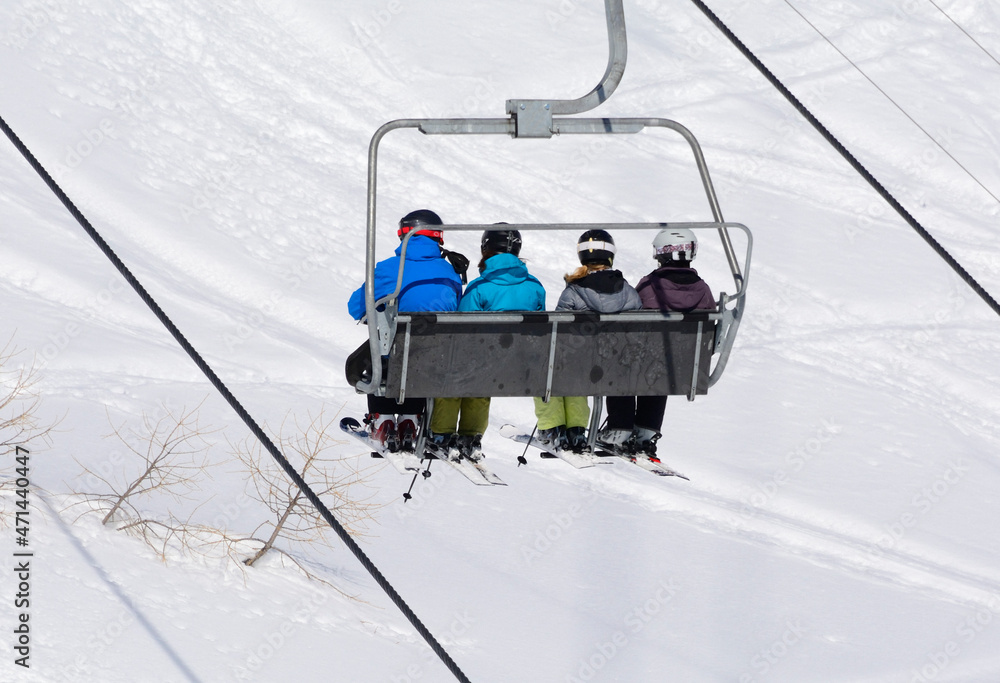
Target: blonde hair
<point>584,270</point>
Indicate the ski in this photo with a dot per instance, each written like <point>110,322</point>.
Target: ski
<point>472,470</point>
<point>578,460</point>
<point>404,462</point>
<point>655,467</point>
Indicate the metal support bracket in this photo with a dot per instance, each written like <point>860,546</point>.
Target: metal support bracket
<point>406,363</point>
<point>697,362</point>
<point>533,118</point>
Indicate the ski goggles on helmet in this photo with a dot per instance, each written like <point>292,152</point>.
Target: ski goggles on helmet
<point>594,245</point>
<point>420,228</point>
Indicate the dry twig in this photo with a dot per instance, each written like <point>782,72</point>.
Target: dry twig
<point>173,451</point>
<point>295,519</point>
<point>19,402</point>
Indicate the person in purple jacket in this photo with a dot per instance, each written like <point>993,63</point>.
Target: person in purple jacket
<point>634,421</point>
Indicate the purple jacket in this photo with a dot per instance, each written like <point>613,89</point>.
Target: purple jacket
<point>675,289</point>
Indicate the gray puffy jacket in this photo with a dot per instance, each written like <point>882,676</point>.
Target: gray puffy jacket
<point>603,291</point>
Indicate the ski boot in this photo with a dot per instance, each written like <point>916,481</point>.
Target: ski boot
<point>614,439</point>
<point>439,445</point>
<point>406,432</point>
<point>383,431</point>
<point>554,438</point>
<point>470,446</point>
<point>576,439</point>
<point>642,443</point>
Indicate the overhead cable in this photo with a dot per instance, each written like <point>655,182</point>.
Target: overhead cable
<point>324,511</point>
<point>894,102</point>
<point>857,165</point>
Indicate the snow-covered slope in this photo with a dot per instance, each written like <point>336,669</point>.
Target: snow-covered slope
<point>839,522</point>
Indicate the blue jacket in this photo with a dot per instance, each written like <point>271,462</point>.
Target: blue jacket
<point>505,285</point>
<point>429,281</point>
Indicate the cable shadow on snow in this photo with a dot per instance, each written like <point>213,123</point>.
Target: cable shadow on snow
<point>124,599</point>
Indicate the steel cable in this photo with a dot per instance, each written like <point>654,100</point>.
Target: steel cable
<point>894,102</point>
<point>857,165</point>
<point>235,404</point>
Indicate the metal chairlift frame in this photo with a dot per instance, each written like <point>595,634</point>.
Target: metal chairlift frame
<point>712,333</point>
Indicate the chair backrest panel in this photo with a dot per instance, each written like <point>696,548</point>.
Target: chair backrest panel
<point>443,355</point>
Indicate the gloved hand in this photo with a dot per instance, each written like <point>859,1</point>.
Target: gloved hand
<point>459,262</point>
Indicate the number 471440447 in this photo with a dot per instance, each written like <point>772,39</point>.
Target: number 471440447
<point>23,483</point>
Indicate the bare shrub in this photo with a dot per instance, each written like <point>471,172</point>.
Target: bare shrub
<point>19,402</point>
<point>20,424</point>
<point>336,481</point>
<point>172,452</point>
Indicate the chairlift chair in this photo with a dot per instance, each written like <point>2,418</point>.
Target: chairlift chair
<point>638,353</point>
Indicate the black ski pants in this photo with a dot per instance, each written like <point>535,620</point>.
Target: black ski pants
<point>384,405</point>
<point>628,412</point>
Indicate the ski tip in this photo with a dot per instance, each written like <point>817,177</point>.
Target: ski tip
<point>508,431</point>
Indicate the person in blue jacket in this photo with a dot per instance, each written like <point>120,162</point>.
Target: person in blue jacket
<point>430,283</point>
<point>504,285</point>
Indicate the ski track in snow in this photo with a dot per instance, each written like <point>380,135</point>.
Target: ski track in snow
<point>823,544</point>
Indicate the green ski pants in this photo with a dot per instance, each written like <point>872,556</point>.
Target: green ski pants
<point>475,416</point>
<point>571,411</point>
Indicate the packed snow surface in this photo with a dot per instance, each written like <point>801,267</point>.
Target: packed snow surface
<point>840,522</point>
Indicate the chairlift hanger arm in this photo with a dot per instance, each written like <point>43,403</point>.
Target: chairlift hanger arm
<point>533,118</point>
<point>560,125</point>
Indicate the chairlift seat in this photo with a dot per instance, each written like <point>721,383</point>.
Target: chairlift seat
<point>640,353</point>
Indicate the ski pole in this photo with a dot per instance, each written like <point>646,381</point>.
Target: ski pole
<point>521,460</point>
<point>426,473</point>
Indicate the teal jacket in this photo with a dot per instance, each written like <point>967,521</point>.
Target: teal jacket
<point>505,285</point>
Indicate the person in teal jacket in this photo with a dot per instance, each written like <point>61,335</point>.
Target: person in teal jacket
<point>504,285</point>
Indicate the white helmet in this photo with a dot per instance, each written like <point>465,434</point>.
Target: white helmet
<point>675,244</point>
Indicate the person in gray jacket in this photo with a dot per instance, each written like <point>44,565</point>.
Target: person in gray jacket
<point>594,286</point>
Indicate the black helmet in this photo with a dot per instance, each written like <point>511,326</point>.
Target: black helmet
<point>596,246</point>
<point>501,241</point>
<point>423,221</point>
